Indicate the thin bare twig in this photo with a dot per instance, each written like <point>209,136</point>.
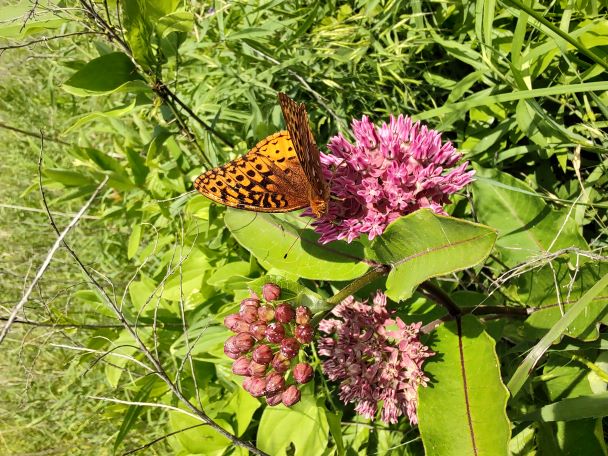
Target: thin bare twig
<point>32,134</point>
<point>157,367</point>
<point>46,39</point>
<point>49,256</point>
<point>161,438</point>
<point>35,209</point>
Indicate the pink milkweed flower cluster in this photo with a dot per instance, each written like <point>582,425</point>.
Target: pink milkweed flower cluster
<point>375,358</point>
<point>267,340</point>
<point>390,171</point>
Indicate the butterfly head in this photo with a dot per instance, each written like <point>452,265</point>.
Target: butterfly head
<point>318,206</point>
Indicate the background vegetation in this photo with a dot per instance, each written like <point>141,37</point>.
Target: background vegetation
<point>520,88</point>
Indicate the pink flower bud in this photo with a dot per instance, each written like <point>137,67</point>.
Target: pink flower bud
<point>274,383</point>
<point>271,292</point>
<point>266,312</point>
<point>262,354</point>
<point>291,396</point>
<point>290,347</point>
<point>241,343</point>
<point>231,354</point>
<point>255,302</point>
<point>235,323</point>
<point>280,363</point>
<point>275,332</point>
<point>304,334</point>
<point>257,369</point>
<point>274,399</point>
<point>247,384</point>
<point>257,386</point>
<point>249,313</point>
<point>258,329</point>
<point>303,315</point>
<point>302,373</point>
<point>284,313</point>
<point>241,366</point>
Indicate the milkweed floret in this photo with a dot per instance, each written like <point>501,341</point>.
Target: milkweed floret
<point>267,340</point>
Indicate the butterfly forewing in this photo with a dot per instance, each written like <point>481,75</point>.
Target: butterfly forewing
<point>281,173</point>
<point>296,119</point>
<point>268,178</point>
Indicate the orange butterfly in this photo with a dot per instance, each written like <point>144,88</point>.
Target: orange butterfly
<point>281,173</point>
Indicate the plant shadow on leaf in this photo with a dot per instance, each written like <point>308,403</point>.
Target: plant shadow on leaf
<point>283,242</point>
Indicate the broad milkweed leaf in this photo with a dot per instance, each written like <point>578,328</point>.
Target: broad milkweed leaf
<point>271,237</point>
<point>275,433</point>
<point>422,245</point>
<point>463,410</point>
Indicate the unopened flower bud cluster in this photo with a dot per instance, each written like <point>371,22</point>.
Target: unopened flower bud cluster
<point>267,340</point>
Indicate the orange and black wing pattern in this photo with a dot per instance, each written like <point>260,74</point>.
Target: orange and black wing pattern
<point>268,178</point>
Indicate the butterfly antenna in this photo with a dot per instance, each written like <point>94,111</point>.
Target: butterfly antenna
<point>295,240</point>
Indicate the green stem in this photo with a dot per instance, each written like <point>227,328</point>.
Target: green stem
<point>358,283</point>
<point>590,365</point>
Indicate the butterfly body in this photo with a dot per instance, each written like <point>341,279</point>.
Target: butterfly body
<point>281,173</point>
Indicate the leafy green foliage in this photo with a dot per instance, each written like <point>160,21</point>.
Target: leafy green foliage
<point>466,414</point>
<point>519,88</point>
<point>423,245</point>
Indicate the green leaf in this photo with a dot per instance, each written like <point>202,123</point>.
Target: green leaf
<point>243,405</point>
<point>522,372</point>
<point>422,245</point>
<point>13,22</point>
<point>113,113</point>
<point>270,237</point>
<point>104,75</point>
<point>463,410</point>
<point>180,21</point>
<point>67,178</point>
<point>526,226</point>
<point>140,18</point>
<point>187,279</point>
<point>593,406</point>
<point>304,425</point>
<point>138,167</point>
<point>134,411</point>
<point>120,351</point>
<point>564,379</point>
<point>202,439</point>
<point>537,288</point>
<point>203,341</point>
<point>238,269</point>
<point>291,291</point>
<point>134,239</point>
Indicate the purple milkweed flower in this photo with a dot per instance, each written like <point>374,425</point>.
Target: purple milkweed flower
<point>373,360</point>
<point>390,171</point>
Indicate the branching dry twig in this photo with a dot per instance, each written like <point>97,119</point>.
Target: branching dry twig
<point>46,39</point>
<point>47,261</point>
<point>155,363</point>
